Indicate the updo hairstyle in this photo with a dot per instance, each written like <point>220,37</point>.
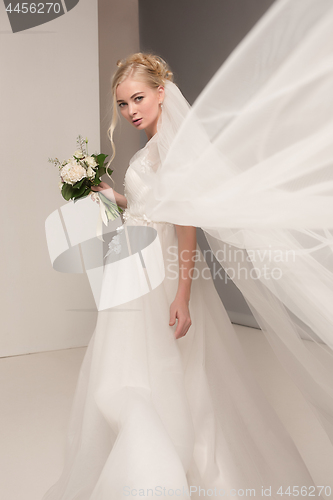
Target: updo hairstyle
<point>148,68</point>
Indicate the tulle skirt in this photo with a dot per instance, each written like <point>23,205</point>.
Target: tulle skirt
<point>154,416</point>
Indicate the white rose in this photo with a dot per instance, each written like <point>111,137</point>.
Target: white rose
<point>73,172</point>
<point>90,173</point>
<point>91,161</point>
<point>78,154</point>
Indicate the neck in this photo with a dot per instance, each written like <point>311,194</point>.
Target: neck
<point>150,134</point>
<point>151,131</point>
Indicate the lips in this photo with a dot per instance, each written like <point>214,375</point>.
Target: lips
<point>137,121</point>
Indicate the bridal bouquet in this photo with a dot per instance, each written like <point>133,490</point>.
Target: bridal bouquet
<point>80,172</point>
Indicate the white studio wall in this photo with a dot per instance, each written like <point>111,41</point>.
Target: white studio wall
<point>118,33</point>
<point>49,95</point>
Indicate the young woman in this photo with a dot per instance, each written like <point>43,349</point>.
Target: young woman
<point>167,403</point>
<point>140,100</point>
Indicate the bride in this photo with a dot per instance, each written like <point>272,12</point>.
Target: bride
<point>167,403</point>
<point>139,91</point>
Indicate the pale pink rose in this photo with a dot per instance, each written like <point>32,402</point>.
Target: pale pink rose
<point>73,172</point>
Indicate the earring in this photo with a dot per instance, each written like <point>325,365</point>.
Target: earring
<point>161,104</point>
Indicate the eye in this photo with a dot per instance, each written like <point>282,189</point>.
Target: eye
<point>140,97</point>
<point>121,104</point>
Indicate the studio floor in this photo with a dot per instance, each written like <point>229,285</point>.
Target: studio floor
<point>36,392</point>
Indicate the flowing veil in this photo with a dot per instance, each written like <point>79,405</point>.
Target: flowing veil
<point>251,164</point>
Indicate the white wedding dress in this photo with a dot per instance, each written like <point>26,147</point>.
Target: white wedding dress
<point>153,412</point>
<point>251,164</point>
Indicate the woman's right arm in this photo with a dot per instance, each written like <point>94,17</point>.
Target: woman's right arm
<point>111,194</point>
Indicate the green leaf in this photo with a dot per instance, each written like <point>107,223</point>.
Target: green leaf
<point>97,179</point>
<point>67,191</point>
<point>85,193</point>
<point>100,171</point>
<point>101,159</point>
<point>78,184</point>
<point>79,192</point>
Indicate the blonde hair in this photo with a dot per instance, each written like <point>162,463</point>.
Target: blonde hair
<point>149,68</point>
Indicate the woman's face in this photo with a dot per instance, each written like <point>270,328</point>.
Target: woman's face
<point>140,104</point>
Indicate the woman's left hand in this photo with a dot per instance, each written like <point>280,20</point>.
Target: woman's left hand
<point>179,309</point>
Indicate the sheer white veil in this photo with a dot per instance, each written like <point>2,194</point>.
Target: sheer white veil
<point>251,164</point>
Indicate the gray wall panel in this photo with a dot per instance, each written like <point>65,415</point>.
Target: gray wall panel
<point>195,37</point>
